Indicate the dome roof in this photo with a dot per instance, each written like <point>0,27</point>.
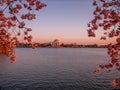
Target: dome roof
<point>56,40</point>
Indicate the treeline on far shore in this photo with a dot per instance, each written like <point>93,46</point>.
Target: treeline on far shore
<point>49,45</point>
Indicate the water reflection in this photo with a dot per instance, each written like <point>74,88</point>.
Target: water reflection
<point>56,69</point>
<point>3,58</point>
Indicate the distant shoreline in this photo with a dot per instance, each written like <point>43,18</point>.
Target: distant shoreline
<point>48,45</point>
<point>63,47</point>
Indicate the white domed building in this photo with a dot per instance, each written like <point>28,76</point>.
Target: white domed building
<point>56,43</point>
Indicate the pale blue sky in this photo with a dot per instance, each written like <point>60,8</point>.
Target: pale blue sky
<point>65,20</point>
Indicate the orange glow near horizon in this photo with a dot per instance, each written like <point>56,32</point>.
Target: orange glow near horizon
<point>82,41</point>
<point>67,22</point>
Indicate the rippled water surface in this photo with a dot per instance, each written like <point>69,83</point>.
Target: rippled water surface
<point>56,69</point>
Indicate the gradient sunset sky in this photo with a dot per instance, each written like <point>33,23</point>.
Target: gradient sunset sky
<point>65,20</point>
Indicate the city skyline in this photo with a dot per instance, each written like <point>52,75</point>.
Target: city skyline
<point>65,20</point>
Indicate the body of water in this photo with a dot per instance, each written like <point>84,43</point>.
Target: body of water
<point>56,69</point>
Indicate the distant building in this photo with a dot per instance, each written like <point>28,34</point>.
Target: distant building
<point>56,43</point>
